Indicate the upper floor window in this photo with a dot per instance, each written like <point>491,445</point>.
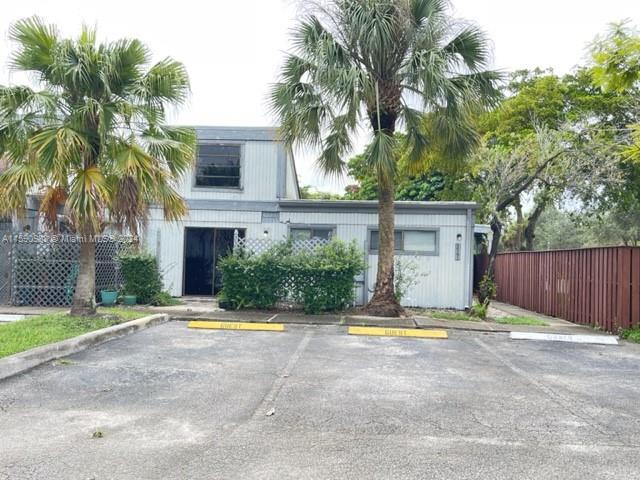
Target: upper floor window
<point>420,242</point>
<point>218,165</point>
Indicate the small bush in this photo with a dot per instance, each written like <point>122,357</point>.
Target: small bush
<point>486,290</point>
<point>141,276</point>
<point>164,299</point>
<point>319,280</point>
<point>631,334</point>
<point>479,310</point>
<point>405,277</point>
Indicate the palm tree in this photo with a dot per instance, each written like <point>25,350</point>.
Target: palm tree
<point>388,64</point>
<point>92,139</point>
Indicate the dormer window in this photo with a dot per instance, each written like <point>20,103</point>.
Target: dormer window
<point>218,165</point>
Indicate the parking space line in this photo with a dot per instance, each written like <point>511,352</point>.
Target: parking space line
<point>255,326</point>
<point>267,406</point>
<point>397,332</point>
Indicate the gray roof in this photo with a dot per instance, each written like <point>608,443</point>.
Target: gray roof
<point>371,206</point>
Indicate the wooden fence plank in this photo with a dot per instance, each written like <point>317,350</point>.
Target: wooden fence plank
<point>624,288</point>
<point>635,288</point>
<point>593,286</point>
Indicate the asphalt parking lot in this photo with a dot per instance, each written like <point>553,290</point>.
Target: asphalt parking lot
<point>313,402</point>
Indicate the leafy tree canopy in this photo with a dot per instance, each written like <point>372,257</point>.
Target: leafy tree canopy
<point>616,58</point>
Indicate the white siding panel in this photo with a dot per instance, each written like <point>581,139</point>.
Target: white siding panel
<point>291,190</point>
<point>440,278</point>
<point>259,176</point>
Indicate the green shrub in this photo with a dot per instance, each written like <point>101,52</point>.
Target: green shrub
<point>405,277</point>
<point>479,310</point>
<point>631,334</point>
<point>164,299</point>
<point>141,276</point>
<point>319,280</point>
<point>486,290</point>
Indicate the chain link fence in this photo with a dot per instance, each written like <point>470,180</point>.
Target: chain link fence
<point>42,269</point>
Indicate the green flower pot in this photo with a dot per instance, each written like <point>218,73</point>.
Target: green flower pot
<point>129,299</point>
<point>108,297</point>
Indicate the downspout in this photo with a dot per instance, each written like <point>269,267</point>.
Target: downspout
<point>469,258</point>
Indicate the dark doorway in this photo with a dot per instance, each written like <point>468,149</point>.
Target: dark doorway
<point>202,249</point>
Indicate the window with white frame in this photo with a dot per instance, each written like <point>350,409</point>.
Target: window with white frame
<point>218,165</point>
<point>421,242</point>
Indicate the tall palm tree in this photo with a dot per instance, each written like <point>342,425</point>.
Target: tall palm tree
<point>388,64</point>
<point>92,138</point>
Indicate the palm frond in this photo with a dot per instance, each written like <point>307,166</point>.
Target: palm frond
<point>470,47</point>
<point>335,145</point>
<point>56,149</point>
<point>127,207</point>
<point>417,140</point>
<point>174,147</point>
<point>87,198</point>
<point>381,154</point>
<point>53,199</point>
<point>424,10</point>
<point>166,81</point>
<point>36,45</point>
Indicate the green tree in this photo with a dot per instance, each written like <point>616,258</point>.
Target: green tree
<point>93,138</point>
<point>616,70</point>
<point>385,63</point>
<point>616,58</point>
<point>572,103</point>
<point>432,184</point>
<point>503,174</point>
<point>309,192</point>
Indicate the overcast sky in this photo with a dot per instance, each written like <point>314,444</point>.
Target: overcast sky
<point>232,49</point>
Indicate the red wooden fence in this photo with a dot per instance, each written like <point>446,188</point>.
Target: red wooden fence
<point>599,287</point>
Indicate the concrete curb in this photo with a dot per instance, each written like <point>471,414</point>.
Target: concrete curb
<point>23,361</point>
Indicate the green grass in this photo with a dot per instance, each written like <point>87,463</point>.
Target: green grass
<point>451,316</point>
<point>521,321</point>
<point>632,334</point>
<point>43,329</point>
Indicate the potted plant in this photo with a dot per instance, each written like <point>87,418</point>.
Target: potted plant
<point>109,295</point>
<point>129,299</point>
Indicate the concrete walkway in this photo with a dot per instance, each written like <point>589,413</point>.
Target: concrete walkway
<point>505,309</point>
<point>208,309</point>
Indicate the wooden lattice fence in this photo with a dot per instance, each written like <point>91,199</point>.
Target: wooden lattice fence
<point>260,245</point>
<point>44,268</point>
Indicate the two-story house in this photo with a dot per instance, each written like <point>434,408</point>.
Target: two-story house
<point>244,179</point>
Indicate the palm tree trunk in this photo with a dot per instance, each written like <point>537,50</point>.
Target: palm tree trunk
<point>384,303</point>
<point>84,296</point>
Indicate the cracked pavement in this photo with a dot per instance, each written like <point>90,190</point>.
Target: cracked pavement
<point>315,403</point>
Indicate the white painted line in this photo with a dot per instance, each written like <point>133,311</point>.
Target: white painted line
<point>5,317</point>
<point>551,337</point>
<point>270,319</point>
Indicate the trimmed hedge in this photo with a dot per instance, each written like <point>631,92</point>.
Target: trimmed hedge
<point>141,276</point>
<point>319,280</point>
